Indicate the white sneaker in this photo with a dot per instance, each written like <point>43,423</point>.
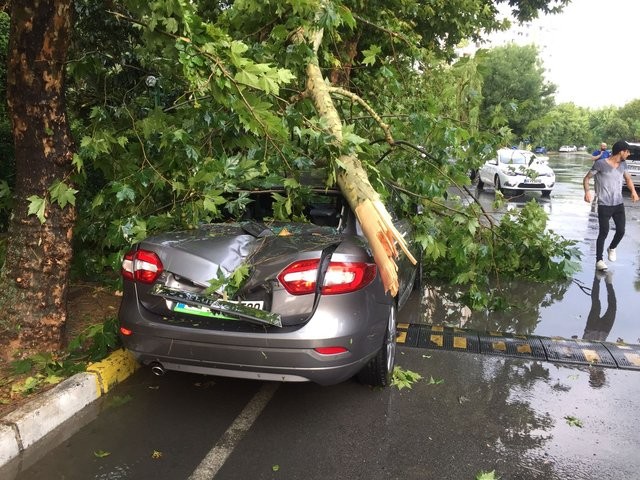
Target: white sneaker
<point>612,254</point>
<point>600,265</point>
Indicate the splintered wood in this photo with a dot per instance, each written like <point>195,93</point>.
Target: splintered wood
<point>382,235</point>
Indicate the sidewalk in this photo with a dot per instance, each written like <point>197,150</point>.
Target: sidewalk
<point>30,423</point>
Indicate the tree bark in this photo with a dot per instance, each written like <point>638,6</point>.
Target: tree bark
<point>34,277</point>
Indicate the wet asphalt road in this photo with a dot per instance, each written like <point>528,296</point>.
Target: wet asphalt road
<point>470,413</point>
<point>563,308</point>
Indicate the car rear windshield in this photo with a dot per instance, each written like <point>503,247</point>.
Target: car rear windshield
<point>321,208</point>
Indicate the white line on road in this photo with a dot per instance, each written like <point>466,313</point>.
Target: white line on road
<point>215,459</point>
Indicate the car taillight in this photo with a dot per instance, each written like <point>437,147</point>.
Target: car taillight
<point>300,277</point>
<point>141,266</point>
<point>126,332</point>
<point>330,350</point>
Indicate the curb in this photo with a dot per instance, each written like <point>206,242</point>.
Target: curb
<point>26,425</point>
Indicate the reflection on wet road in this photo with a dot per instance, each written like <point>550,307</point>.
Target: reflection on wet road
<point>578,308</point>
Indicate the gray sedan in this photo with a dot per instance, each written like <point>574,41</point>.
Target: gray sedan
<point>310,305</point>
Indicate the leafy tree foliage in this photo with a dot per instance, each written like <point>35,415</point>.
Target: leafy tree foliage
<point>630,114</point>
<point>568,124</point>
<point>162,147</point>
<point>176,104</point>
<point>514,89</point>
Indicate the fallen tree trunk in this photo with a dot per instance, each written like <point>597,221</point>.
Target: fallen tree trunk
<point>353,181</point>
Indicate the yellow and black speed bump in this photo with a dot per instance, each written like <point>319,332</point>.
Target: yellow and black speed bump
<point>553,349</point>
<point>626,356</point>
<point>408,334</point>
<point>512,345</point>
<point>578,351</point>
<point>441,338</point>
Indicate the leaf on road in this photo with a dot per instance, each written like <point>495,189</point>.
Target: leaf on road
<point>404,378</point>
<point>573,421</point>
<point>101,453</point>
<point>156,454</point>
<point>487,476</point>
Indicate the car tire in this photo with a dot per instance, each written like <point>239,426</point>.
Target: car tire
<point>480,184</point>
<point>379,370</point>
<point>498,185</point>
<point>546,193</point>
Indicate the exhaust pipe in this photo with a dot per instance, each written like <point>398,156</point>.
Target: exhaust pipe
<point>157,369</point>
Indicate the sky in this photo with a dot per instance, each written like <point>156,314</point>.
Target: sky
<point>589,51</point>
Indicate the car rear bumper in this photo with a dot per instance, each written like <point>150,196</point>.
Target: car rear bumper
<point>265,366</point>
<point>285,354</point>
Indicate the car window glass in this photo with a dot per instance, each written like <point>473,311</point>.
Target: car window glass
<point>518,159</point>
<point>325,210</point>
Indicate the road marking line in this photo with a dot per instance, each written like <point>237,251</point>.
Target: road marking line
<point>214,460</point>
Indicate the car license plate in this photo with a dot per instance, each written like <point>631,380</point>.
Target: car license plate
<point>205,312</point>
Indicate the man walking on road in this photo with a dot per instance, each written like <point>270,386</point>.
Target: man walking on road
<point>610,173</point>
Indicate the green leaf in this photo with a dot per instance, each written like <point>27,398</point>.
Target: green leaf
<point>370,54</point>
<point>126,193</point>
<point>62,194</point>
<point>487,476</point>
<point>346,17</point>
<point>402,378</point>
<point>53,379</point>
<point>573,421</point>
<point>37,206</point>
<point>77,162</point>
<point>19,367</point>
<point>101,453</point>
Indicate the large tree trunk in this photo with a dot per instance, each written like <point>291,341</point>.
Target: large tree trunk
<point>34,278</point>
<point>354,183</point>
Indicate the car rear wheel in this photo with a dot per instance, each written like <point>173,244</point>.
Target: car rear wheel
<point>379,370</point>
<point>480,183</point>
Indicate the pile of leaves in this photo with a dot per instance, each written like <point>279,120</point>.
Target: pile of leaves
<point>23,379</point>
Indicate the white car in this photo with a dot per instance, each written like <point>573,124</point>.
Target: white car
<point>633,163</point>
<point>568,148</point>
<point>515,171</point>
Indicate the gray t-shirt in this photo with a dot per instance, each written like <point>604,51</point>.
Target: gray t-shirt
<point>608,182</point>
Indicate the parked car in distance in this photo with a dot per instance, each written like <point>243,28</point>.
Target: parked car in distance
<point>311,307</point>
<point>633,163</point>
<point>541,150</point>
<point>517,171</point>
<point>568,148</point>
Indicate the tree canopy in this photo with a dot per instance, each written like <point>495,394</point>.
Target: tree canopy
<point>514,88</point>
<point>174,105</point>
